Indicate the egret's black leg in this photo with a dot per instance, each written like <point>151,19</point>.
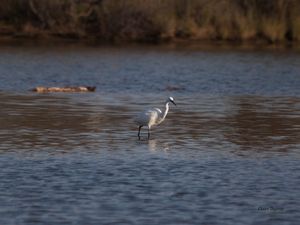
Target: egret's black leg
<point>148,133</point>
<point>139,132</point>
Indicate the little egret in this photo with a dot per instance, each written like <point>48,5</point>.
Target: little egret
<point>152,117</point>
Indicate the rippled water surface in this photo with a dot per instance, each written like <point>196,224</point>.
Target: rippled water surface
<point>227,154</point>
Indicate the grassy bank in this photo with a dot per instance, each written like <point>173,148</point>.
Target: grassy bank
<point>271,21</point>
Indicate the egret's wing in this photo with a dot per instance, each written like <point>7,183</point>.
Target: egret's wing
<point>158,110</point>
<point>153,115</point>
<point>149,116</point>
<point>143,118</point>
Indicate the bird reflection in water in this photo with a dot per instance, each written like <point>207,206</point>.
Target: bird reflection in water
<point>154,146</point>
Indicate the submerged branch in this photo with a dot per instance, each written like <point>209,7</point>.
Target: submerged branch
<point>64,89</point>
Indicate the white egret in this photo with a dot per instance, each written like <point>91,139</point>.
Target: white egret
<point>152,117</point>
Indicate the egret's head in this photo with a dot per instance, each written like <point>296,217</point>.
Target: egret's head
<point>171,99</point>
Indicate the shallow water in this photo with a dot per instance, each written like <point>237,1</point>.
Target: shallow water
<point>227,154</point>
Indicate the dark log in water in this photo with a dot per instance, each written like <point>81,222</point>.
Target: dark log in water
<point>64,89</point>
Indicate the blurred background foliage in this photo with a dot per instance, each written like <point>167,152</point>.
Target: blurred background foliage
<point>153,20</point>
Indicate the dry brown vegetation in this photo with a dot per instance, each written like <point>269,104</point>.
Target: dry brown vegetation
<point>153,20</point>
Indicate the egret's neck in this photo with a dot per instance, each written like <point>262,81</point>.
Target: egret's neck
<point>165,112</point>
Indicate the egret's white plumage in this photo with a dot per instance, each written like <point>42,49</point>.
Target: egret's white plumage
<point>152,117</point>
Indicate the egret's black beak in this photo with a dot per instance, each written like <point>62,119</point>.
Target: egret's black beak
<point>173,102</point>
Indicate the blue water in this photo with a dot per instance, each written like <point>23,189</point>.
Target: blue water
<point>228,153</point>
<point>152,70</point>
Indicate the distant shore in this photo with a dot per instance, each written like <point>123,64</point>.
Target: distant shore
<point>152,21</point>
<point>60,43</point>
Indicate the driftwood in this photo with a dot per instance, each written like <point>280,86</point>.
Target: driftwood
<point>64,89</point>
